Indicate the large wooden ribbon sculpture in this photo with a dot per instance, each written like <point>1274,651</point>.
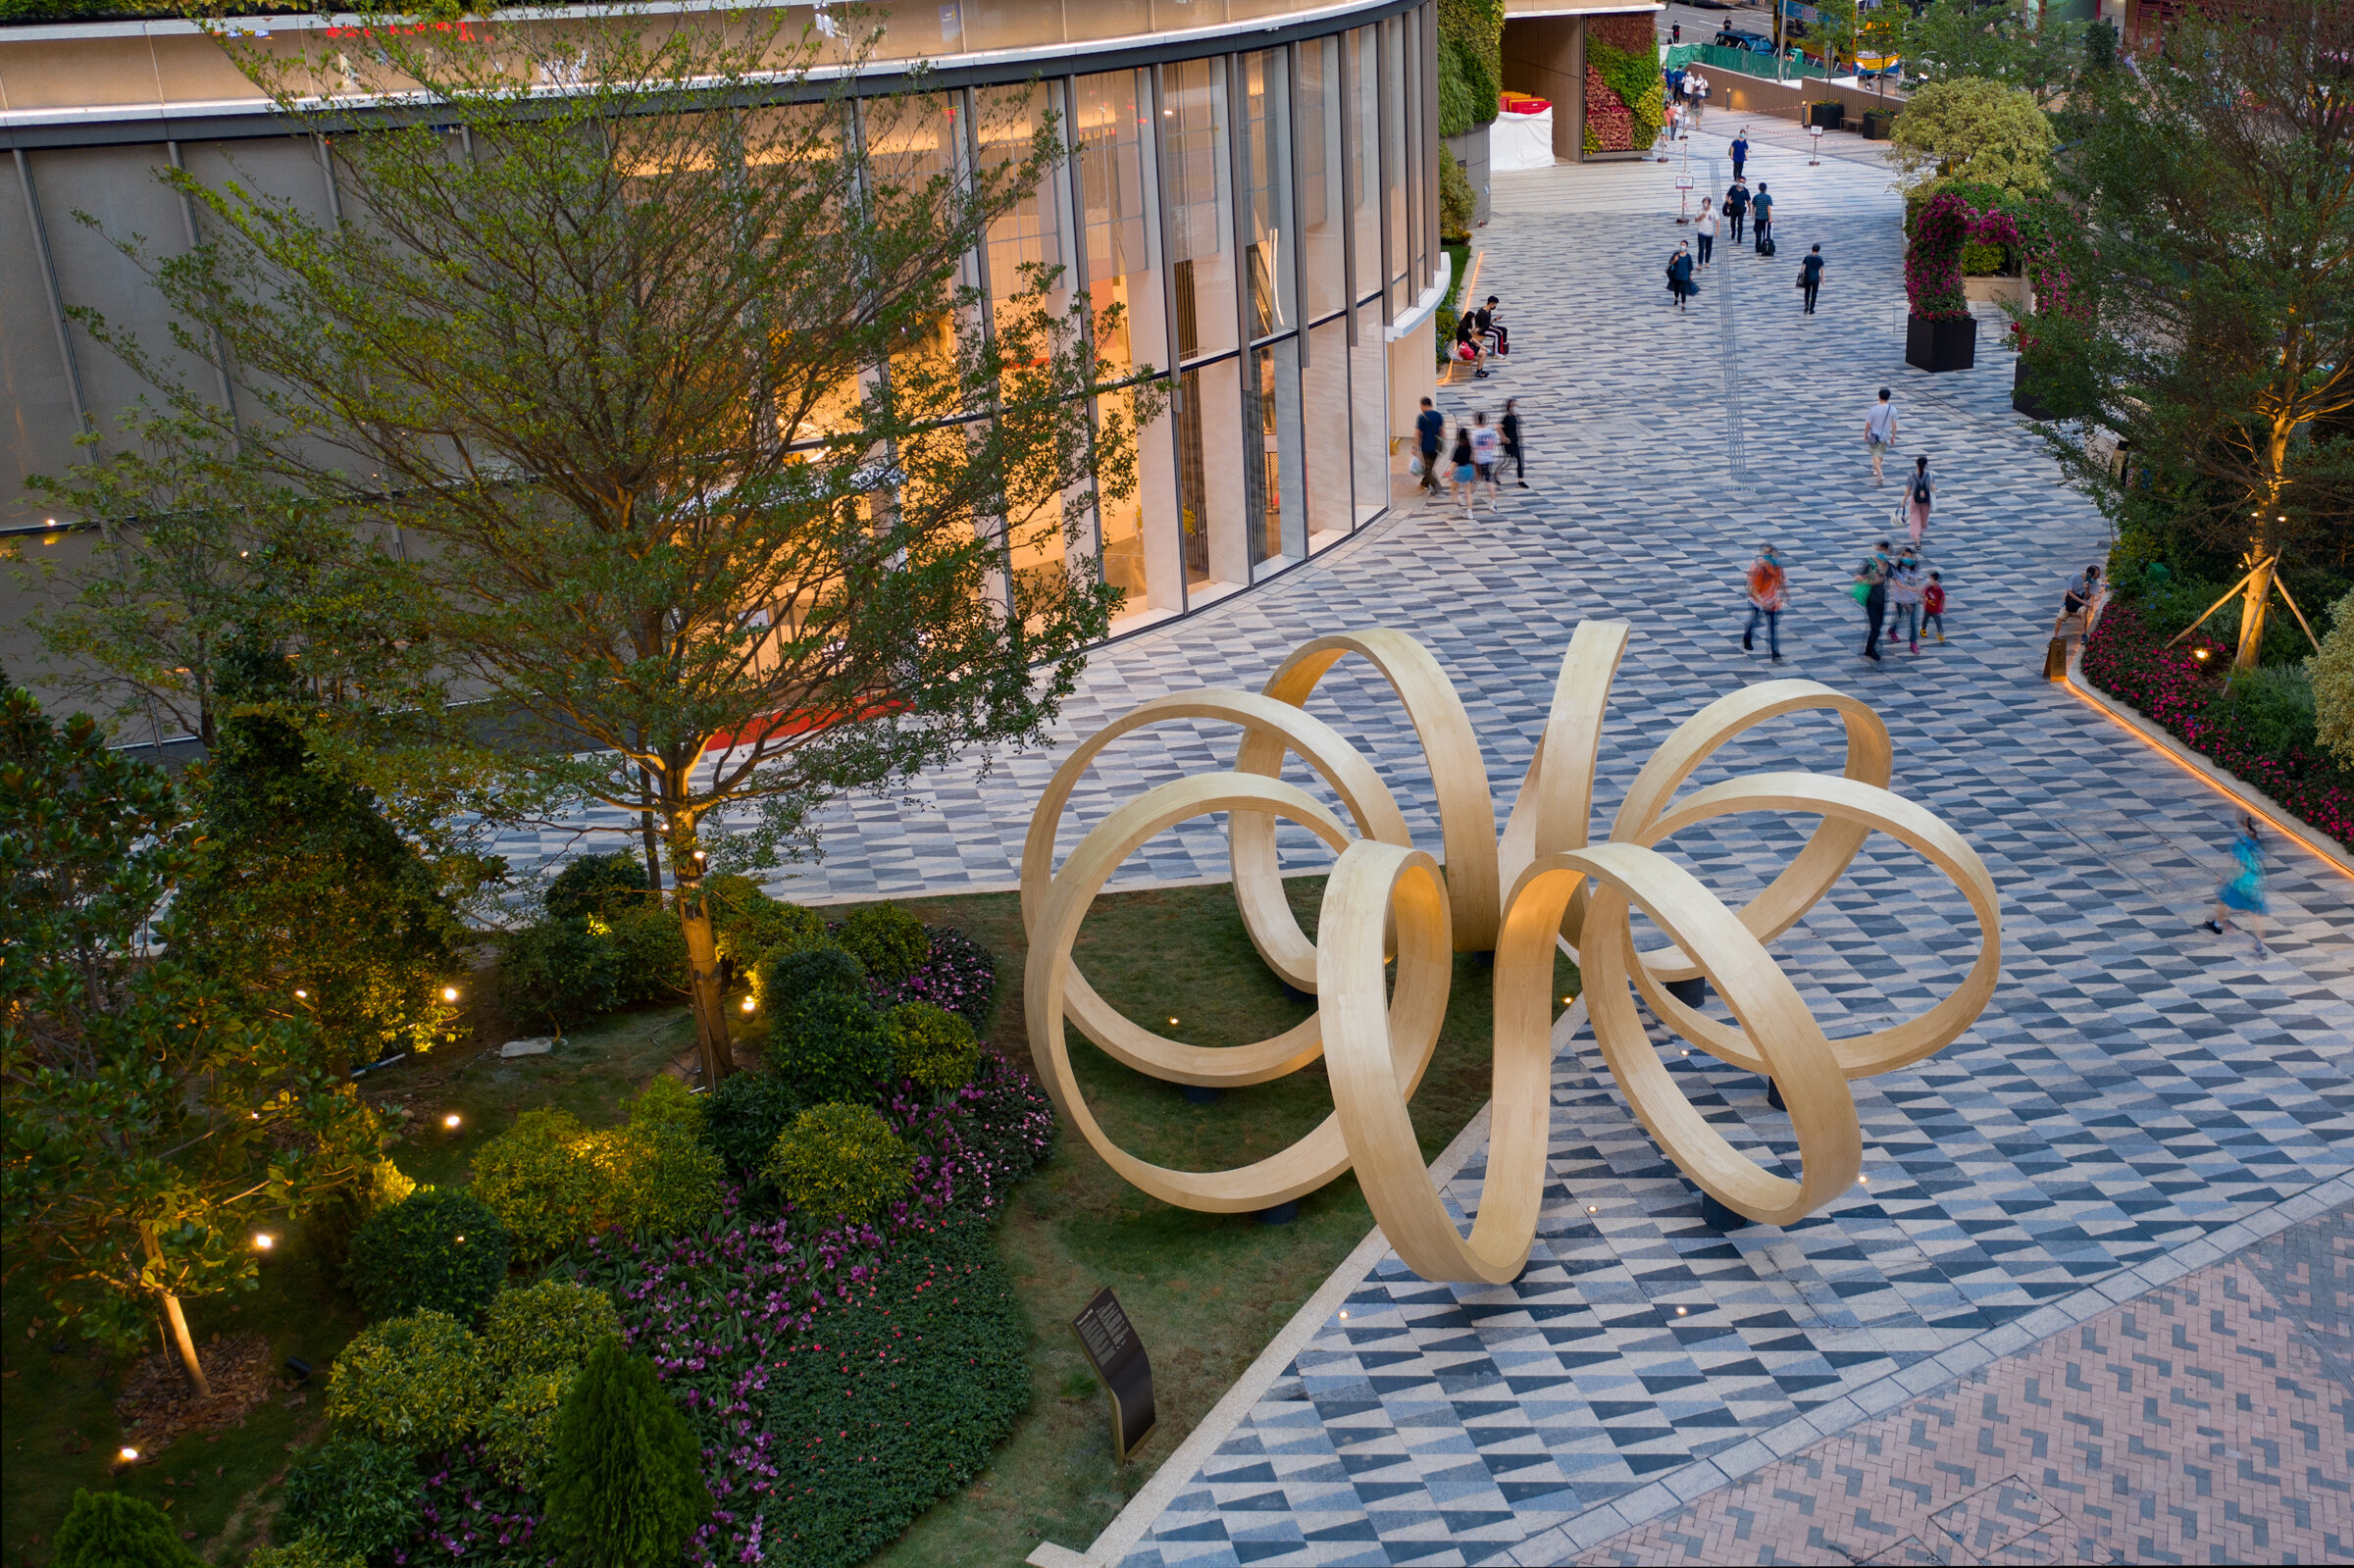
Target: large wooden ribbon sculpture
<point>1541,885</point>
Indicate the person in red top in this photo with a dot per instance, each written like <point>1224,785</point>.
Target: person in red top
<point>1932,607</point>
<point>1768,591</point>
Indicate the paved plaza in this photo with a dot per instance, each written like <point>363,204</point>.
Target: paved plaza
<point>2065,1196</point>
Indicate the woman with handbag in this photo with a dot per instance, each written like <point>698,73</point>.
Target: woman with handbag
<point>1679,274</point>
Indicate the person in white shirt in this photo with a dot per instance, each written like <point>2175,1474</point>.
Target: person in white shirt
<point>1487,451</point>
<point>1705,226</point>
<point>1880,433</point>
<point>1699,87</point>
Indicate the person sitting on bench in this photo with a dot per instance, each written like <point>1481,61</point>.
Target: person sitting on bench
<point>1490,327</point>
<point>1466,336</point>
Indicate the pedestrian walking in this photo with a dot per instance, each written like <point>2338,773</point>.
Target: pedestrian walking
<point>1870,591</point>
<point>1810,278</point>
<point>1932,606</point>
<point>1905,593</point>
<point>1675,33</point>
<point>1512,449</point>
<point>2243,890</point>
<point>1699,85</point>
<point>1740,155</point>
<point>1917,499</point>
<point>1880,433</point>
<point>1736,205</point>
<point>1705,227</point>
<point>1768,591</point>
<point>1430,427</point>
<point>1487,451</point>
<point>1679,274</point>
<point>1464,471</point>
<point>1762,205</point>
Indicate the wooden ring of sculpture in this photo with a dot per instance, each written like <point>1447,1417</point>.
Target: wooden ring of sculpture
<point>1266,912</point>
<point>1411,1029</point>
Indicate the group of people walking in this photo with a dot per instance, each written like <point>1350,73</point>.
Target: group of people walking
<point>1477,458</point>
<point>1741,208</point>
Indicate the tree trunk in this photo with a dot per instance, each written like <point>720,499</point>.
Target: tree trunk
<point>176,1323</point>
<point>2254,599</point>
<point>702,962</point>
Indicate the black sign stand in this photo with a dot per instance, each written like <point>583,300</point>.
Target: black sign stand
<point>1108,1341</point>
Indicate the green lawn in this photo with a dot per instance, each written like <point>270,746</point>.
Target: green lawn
<point>1206,1291</point>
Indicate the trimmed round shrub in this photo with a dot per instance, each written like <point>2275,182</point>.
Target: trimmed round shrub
<point>592,885</point>
<point>743,1117</point>
<point>750,924</point>
<point>841,1160</point>
<point>415,1384</point>
<point>519,1432</point>
<point>329,1226</point>
<point>350,1498</point>
<point>658,1178</point>
<point>113,1529</point>
<point>306,1551</point>
<point>560,971</point>
<point>649,952</point>
<point>535,1177</point>
<point>831,1045</point>
<point>441,1251</point>
<point>624,1484</point>
<point>933,1046</point>
<point>667,1102</point>
<point>785,978</point>
<point>893,1398</point>
<point>546,1328</point>
<point>888,941</point>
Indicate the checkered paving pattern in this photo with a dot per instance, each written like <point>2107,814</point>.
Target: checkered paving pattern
<point>2209,1421</point>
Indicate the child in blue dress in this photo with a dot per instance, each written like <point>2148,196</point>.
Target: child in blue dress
<point>2244,892</point>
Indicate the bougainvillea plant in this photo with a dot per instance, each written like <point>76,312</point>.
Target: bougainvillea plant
<point>1933,259</point>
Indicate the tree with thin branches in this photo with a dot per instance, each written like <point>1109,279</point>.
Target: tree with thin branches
<point>739,444</point>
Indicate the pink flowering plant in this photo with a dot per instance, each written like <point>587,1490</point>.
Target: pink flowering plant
<point>1934,258</point>
<point>2183,693</point>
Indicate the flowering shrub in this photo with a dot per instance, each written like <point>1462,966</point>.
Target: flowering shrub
<point>2182,694</point>
<point>472,1516</point>
<point>960,975</point>
<point>1933,259</point>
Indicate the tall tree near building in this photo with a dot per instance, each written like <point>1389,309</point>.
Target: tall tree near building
<point>2213,190</point>
<point>153,1118</point>
<point>725,463</point>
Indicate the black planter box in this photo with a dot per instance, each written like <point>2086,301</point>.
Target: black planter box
<point>2022,394</point>
<point>1936,345</point>
<point>1829,116</point>
<point>1876,123</point>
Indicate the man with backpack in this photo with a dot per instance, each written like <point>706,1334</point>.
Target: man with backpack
<point>1765,206</point>
<point>1767,592</point>
<point>1736,205</point>
<point>1429,425</point>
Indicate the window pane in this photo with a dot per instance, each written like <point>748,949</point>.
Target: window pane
<point>1364,150</point>
<point>1200,205</point>
<point>1395,130</point>
<point>1123,266</point>
<point>1267,193</point>
<point>1027,234</point>
<point>1370,431</point>
<point>1274,497</point>
<point>1210,418</point>
<point>1317,124</point>
<point>1324,410</point>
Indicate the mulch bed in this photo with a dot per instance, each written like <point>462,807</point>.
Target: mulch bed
<point>157,1405</point>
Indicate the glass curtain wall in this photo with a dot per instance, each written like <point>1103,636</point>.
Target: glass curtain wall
<point>1275,503</point>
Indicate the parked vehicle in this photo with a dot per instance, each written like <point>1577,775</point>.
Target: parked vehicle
<point>1731,38</point>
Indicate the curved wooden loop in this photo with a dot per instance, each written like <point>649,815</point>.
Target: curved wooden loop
<point>1258,887</point>
<point>1423,977</point>
<point>1822,1113</point>
<point>1868,807</point>
<point>1371,883</point>
<point>1457,773</point>
<point>1554,809</point>
<point>1825,856</point>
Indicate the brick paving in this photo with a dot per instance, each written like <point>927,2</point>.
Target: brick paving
<point>2210,1421</point>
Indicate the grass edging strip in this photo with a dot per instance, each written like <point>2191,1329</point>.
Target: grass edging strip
<point>2224,782</point>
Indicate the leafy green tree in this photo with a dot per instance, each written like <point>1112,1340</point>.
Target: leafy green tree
<point>2333,670</point>
<point>304,897</point>
<point>1994,40</point>
<point>2211,265</point>
<point>153,1120</point>
<point>691,402</point>
<point>1970,130</point>
<point>624,1486</point>
<point>110,1529</point>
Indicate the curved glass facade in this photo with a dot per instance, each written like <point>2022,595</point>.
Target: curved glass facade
<point>1248,180</point>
